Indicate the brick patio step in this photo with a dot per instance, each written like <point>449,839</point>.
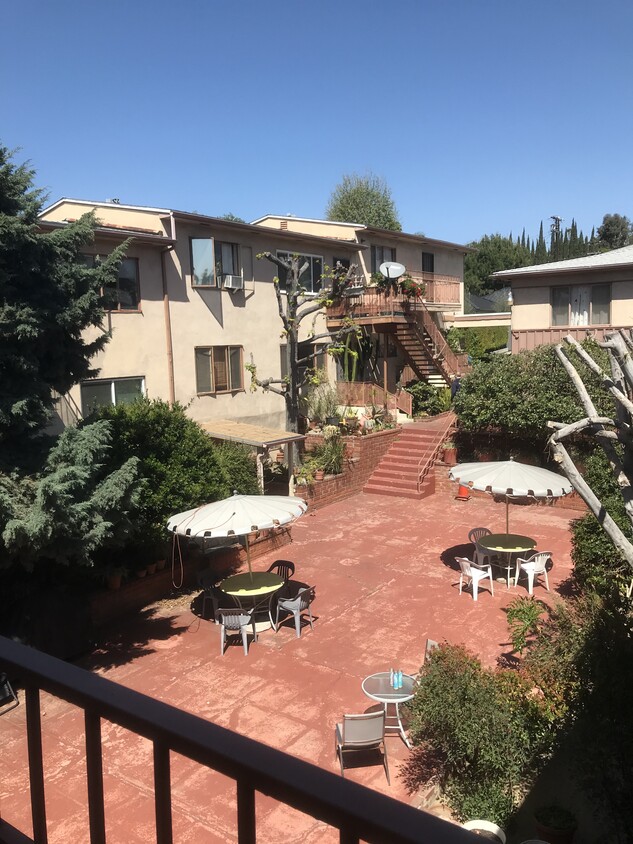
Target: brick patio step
<point>397,472</point>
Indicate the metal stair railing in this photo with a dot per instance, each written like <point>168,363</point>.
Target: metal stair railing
<point>426,462</point>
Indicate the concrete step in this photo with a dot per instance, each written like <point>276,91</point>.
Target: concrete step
<point>399,481</point>
<point>377,489</point>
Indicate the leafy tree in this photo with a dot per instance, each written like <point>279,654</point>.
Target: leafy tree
<point>48,297</point>
<point>78,507</point>
<point>363,199</point>
<point>179,464</point>
<point>518,394</point>
<point>233,218</point>
<point>494,253</point>
<point>615,231</point>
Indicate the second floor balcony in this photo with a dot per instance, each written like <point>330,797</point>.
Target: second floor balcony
<point>440,293</point>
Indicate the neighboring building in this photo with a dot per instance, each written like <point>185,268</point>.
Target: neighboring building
<point>582,296</point>
<point>194,304</point>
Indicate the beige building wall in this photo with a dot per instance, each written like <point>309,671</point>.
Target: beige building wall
<point>318,228</point>
<point>201,317</point>
<point>152,220</point>
<point>532,299</point>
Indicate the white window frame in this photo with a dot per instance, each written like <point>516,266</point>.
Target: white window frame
<point>285,255</point>
<point>218,274</point>
<point>112,381</point>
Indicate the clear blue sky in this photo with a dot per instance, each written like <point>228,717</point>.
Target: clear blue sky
<point>482,116</point>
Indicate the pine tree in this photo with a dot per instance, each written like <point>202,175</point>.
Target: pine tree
<point>48,297</point>
<point>75,509</point>
<point>540,253</point>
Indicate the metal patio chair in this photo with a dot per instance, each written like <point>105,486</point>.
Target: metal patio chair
<point>361,732</point>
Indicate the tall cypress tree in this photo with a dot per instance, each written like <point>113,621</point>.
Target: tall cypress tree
<point>48,297</point>
<point>540,253</point>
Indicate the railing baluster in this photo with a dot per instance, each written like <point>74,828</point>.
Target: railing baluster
<point>245,813</point>
<point>94,772</point>
<point>36,765</point>
<point>162,793</point>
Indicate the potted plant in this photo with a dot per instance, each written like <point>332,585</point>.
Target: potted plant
<point>114,577</point>
<point>151,568</point>
<point>449,453</point>
<point>555,824</point>
<point>141,571</point>
<point>351,419</point>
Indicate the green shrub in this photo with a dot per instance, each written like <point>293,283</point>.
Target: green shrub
<point>523,620</point>
<point>427,399</point>
<point>485,730</point>
<point>518,394</point>
<point>180,465</point>
<point>329,455</point>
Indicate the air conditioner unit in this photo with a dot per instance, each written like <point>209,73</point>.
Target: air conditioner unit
<point>233,282</point>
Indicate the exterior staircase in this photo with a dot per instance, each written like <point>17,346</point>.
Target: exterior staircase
<point>426,348</point>
<point>406,470</point>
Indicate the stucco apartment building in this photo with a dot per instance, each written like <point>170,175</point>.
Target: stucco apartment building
<point>194,303</point>
<point>581,296</point>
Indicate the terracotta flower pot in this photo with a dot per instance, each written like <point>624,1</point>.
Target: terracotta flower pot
<point>151,568</point>
<point>319,474</point>
<point>114,581</point>
<point>449,456</point>
<point>160,564</point>
<point>141,572</point>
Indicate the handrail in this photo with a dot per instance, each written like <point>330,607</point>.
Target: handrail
<point>357,812</point>
<point>454,364</point>
<point>426,462</point>
<point>368,393</point>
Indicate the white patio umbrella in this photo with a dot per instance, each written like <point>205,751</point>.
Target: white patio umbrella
<point>509,478</point>
<point>238,515</point>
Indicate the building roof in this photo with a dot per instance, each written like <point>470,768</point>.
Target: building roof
<point>204,219</point>
<point>242,432</point>
<point>372,230</point>
<point>614,258</point>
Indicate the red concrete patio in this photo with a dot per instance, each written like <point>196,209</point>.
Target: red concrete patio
<point>386,581</point>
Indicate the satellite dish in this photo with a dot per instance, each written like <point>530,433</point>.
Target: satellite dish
<point>391,269</point>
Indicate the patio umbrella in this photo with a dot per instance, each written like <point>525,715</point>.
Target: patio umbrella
<point>238,515</point>
<point>509,478</point>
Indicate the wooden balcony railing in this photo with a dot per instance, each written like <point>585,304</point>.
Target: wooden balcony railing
<point>357,812</point>
<point>368,394</point>
<point>372,303</point>
<point>440,289</point>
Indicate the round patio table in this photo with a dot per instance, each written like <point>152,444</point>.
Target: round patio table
<point>249,588</point>
<point>378,687</point>
<point>257,585</point>
<point>507,545</point>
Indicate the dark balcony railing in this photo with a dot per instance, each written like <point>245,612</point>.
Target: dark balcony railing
<point>357,812</point>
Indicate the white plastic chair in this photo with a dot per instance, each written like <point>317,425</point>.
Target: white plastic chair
<point>236,621</point>
<point>481,554</point>
<point>296,606</point>
<point>486,826</point>
<point>473,575</point>
<point>533,566</point>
